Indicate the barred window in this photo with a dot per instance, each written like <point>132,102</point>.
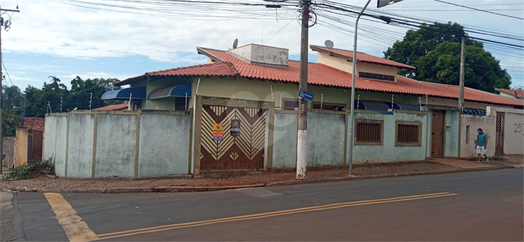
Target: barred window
<point>408,134</point>
<point>376,76</point>
<point>368,132</point>
<point>333,107</point>
<point>180,103</point>
<point>290,105</point>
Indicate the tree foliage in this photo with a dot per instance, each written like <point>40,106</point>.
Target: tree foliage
<point>56,97</point>
<point>54,93</point>
<point>434,51</point>
<point>12,99</point>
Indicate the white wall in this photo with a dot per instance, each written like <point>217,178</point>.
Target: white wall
<point>513,129</point>
<point>163,143</point>
<point>468,134</point>
<point>514,133</point>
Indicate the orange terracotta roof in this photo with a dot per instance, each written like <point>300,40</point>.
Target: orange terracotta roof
<point>319,74</point>
<point>34,123</point>
<point>212,69</point>
<point>450,91</point>
<point>361,57</point>
<point>114,107</point>
<point>322,75</point>
<point>519,93</point>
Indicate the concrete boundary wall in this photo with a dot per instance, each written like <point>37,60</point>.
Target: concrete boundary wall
<point>513,129</point>
<point>328,139</point>
<point>468,134</point>
<point>99,144</point>
<point>389,151</point>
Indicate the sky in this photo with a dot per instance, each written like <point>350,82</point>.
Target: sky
<point>59,38</point>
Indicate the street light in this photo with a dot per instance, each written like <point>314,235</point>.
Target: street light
<point>380,3</point>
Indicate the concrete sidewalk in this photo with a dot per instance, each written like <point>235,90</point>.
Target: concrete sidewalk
<point>210,182</point>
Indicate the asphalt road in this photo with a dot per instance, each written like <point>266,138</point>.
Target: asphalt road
<point>471,206</point>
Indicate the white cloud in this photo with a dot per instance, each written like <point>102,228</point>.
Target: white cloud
<point>48,27</point>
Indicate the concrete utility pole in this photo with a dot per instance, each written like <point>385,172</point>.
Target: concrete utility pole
<point>461,83</point>
<point>302,108</point>
<point>1,83</point>
<point>380,3</point>
<point>352,107</point>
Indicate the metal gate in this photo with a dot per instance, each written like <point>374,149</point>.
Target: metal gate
<point>232,150</point>
<point>499,142</point>
<point>38,144</point>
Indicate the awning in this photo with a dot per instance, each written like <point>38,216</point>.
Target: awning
<point>371,105</point>
<point>125,94</point>
<point>384,106</point>
<point>477,112</point>
<point>181,90</point>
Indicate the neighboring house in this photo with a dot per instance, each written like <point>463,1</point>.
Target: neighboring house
<point>114,107</point>
<point>34,123</point>
<point>29,141</point>
<point>256,87</point>
<point>517,94</point>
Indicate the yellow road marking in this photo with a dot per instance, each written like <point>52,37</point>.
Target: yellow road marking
<point>75,228</point>
<point>270,214</point>
<point>279,212</point>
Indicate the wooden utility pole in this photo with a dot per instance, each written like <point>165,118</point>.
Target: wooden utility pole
<point>1,90</point>
<point>1,83</point>
<point>461,82</point>
<point>302,108</point>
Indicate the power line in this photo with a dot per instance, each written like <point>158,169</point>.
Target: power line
<point>419,19</point>
<point>448,10</point>
<point>481,10</point>
<point>5,69</point>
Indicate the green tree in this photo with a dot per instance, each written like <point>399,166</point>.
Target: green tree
<point>10,121</point>
<point>81,91</point>
<point>11,97</point>
<point>57,95</point>
<point>434,51</point>
<point>37,100</point>
<point>34,104</point>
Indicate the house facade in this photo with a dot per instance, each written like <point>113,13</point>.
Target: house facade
<point>239,111</point>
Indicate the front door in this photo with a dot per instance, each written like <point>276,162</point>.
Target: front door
<point>437,134</point>
<point>222,149</point>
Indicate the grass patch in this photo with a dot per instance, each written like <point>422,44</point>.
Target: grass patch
<point>32,169</point>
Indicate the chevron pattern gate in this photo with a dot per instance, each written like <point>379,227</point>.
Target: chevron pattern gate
<point>245,151</point>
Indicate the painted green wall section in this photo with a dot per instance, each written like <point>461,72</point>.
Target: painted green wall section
<point>451,147</point>
<point>243,88</point>
<point>326,140</point>
<point>162,103</point>
<point>388,152</point>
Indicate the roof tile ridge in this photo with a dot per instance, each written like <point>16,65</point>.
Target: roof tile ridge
<point>233,68</point>
<point>206,50</point>
<point>185,67</point>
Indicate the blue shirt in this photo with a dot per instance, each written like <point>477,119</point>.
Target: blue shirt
<point>481,139</point>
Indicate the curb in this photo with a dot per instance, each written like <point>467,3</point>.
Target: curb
<point>136,189</point>
<point>270,184</point>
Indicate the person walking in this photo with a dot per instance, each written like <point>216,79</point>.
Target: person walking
<point>481,144</point>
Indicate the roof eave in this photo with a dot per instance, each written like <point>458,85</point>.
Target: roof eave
<point>203,51</point>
